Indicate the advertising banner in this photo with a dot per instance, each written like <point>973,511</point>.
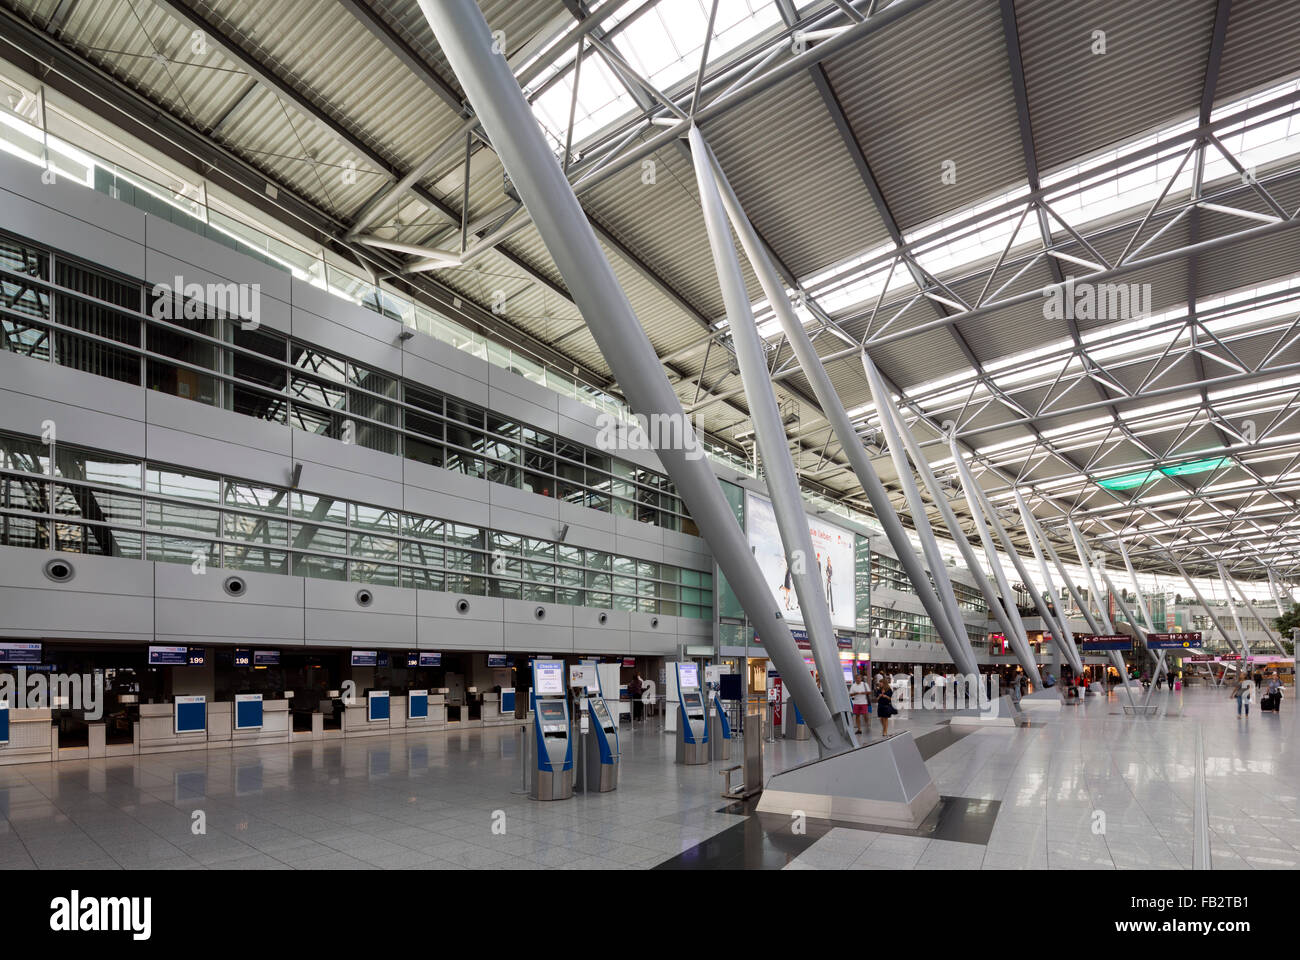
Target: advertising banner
<point>831,564</point>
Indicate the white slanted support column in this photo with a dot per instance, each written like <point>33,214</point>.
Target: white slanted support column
<point>957,645</point>
<point>1209,611</point>
<point>508,120</point>
<point>1019,639</point>
<point>1263,624</point>
<point>1062,623</point>
<point>900,432</point>
<point>773,445</point>
<point>893,427</point>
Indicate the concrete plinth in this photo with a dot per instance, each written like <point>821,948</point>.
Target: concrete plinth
<point>884,782</point>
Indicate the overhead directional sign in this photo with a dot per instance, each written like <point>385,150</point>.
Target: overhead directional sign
<point>1104,642</point>
<point>1174,641</point>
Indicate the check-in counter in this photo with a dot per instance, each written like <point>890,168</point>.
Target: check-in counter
<point>32,736</point>
<point>157,732</point>
<point>275,727</point>
<point>438,707</point>
<point>371,715</point>
<point>490,712</point>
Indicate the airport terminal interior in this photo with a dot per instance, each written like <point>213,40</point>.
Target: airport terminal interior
<point>649,434</point>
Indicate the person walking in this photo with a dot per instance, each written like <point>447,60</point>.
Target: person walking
<point>1244,694</point>
<point>859,695</point>
<point>885,706</point>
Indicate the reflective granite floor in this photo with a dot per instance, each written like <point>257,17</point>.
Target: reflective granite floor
<point>1012,798</point>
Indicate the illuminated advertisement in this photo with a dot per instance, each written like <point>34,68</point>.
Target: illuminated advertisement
<point>831,564</point>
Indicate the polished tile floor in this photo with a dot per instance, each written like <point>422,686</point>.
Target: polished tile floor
<point>454,801</point>
<point>1096,789</point>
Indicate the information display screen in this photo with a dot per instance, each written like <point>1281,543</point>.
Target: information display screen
<point>848,674</point>
<point>692,702</point>
<point>169,656</point>
<point>550,677</point>
<point>430,659</point>
<point>498,660</point>
<point>266,658</point>
<point>364,658</point>
<point>688,676</point>
<point>20,653</point>
<point>197,656</point>
<point>550,712</point>
<point>601,713</point>
<point>243,658</point>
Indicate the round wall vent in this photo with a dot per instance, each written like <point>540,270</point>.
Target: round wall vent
<point>235,586</point>
<point>654,623</point>
<point>540,613</point>
<point>59,570</point>
<point>462,606</point>
<point>365,598</point>
<point>602,618</point>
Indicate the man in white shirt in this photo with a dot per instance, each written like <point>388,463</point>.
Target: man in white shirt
<point>858,694</point>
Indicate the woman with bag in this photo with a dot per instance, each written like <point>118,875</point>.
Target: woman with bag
<point>885,706</point>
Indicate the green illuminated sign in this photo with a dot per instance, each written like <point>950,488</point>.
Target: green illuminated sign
<point>1130,480</point>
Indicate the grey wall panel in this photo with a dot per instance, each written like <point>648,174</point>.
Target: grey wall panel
<point>588,618</point>
<point>162,267</point>
<point>434,504</point>
<point>587,640</point>
<point>107,598</point>
<point>190,607</point>
<point>580,536</point>
<point>692,560</point>
<point>586,517</point>
<point>26,414</point>
<point>652,643</point>
<point>211,423</point>
<point>178,243</point>
<point>346,470</point>
<point>524,502</point>
<point>165,445</point>
<point>374,345</point>
<point>71,199</point>
<point>82,239</point>
<point>540,637</point>
<point>578,431</point>
<point>437,353</point>
<point>447,379</point>
<point>527,524</point>
<point>43,380</point>
<point>429,603</point>
<point>322,303</point>
<point>635,530</point>
<point>509,404</point>
<point>333,615</point>
<point>524,612</point>
<point>456,633</point>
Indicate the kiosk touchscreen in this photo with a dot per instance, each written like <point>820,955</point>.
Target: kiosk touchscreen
<point>552,773</point>
<point>601,753</point>
<point>693,736</point>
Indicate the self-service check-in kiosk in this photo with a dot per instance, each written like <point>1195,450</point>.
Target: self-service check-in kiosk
<point>693,727</point>
<point>552,770</point>
<point>599,772</point>
<point>719,729</point>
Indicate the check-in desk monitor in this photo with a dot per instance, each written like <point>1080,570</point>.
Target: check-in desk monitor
<point>693,735</point>
<point>552,770</point>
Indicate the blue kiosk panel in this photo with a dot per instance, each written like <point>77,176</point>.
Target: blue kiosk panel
<point>417,704</point>
<point>191,714</point>
<point>248,711</point>
<point>4,723</point>
<point>377,705</point>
